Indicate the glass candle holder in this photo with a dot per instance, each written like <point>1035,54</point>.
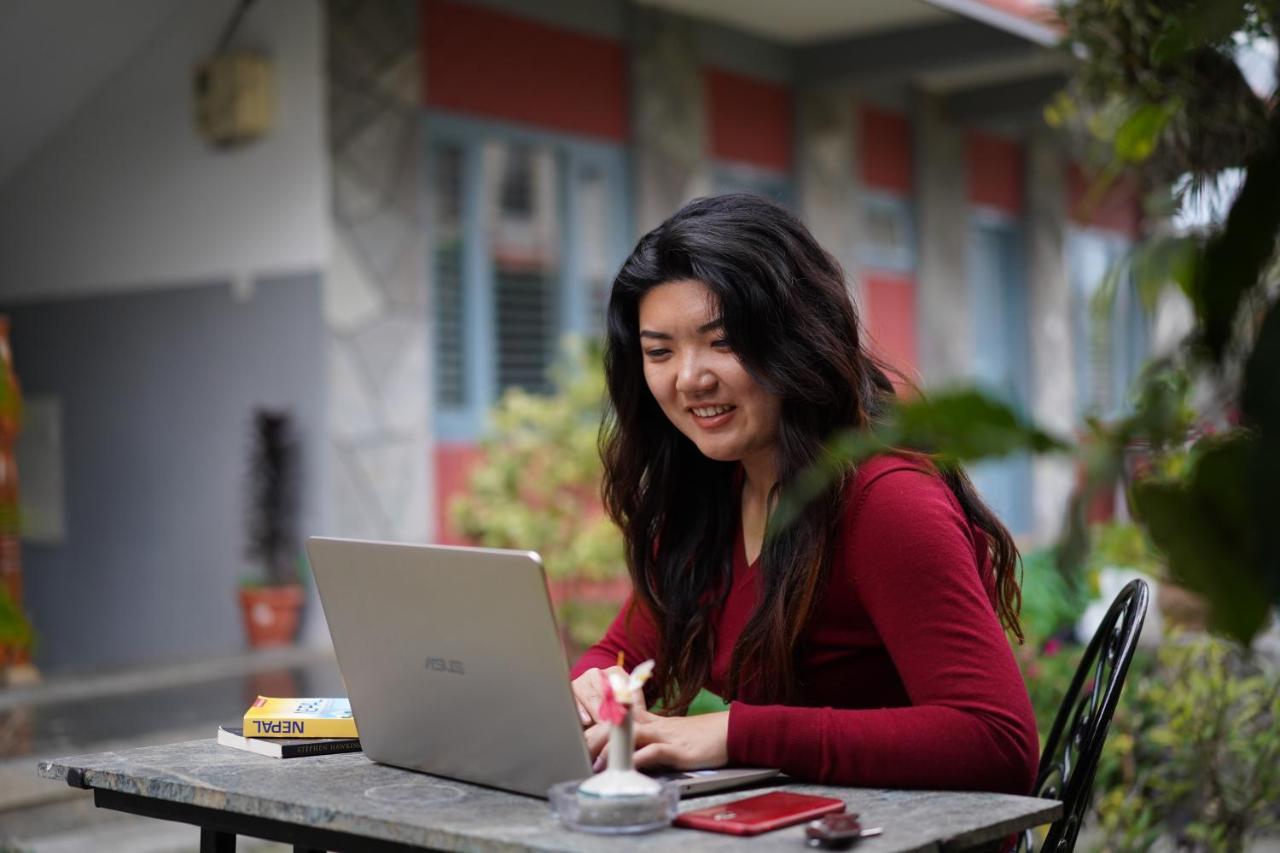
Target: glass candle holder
<point>614,815</point>
<point>621,799</point>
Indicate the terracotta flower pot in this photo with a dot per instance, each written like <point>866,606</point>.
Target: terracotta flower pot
<point>271,614</point>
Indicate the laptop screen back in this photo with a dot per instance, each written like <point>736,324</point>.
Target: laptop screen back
<point>452,661</point>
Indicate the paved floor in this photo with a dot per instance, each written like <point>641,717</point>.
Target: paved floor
<point>77,714</point>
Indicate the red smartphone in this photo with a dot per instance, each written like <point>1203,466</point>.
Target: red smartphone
<point>763,813</point>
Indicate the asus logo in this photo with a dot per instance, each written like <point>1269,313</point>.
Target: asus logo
<point>442,665</point>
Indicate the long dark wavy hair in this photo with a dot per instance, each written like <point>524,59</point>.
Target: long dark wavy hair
<point>791,323</point>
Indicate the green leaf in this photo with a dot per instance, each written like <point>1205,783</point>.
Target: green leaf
<point>960,425</point>
<point>1235,259</point>
<point>1205,528</point>
<point>968,424</point>
<point>1173,43</point>
<point>1162,414</point>
<point>1260,396</point>
<point>1162,261</point>
<point>15,630</point>
<point>1211,21</point>
<point>1137,137</point>
<point>1260,402</point>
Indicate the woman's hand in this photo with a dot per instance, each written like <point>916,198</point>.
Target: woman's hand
<point>682,743</point>
<point>589,691</point>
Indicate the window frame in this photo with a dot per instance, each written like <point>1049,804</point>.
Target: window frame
<point>729,176</point>
<point>478,305</point>
<point>1123,367</point>
<point>1014,472</point>
<point>872,256</point>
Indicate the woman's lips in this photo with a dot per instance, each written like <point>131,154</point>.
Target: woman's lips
<point>713,421</point>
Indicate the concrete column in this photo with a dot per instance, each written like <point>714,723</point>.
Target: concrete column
<point>669,124</point>
<point>826,137</point>
<point>378,442</point>
<point>1049,306</point>
<point>942,236</point>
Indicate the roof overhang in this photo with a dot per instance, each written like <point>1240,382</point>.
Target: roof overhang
<point>992,60</point>
<point>802,22</point>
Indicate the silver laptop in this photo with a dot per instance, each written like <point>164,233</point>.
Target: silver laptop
<point>454,666</point>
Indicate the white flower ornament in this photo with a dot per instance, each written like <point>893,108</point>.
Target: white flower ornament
<point>623,689</point>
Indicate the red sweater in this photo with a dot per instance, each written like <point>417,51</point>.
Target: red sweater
<point>906,678</point>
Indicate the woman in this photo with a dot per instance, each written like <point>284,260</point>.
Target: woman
<point>861,644</point>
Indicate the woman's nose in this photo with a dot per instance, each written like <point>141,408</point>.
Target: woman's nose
<point>694,375</point>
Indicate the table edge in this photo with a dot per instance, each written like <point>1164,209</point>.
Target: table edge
<point>60,769</point>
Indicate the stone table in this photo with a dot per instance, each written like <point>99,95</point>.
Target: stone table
<point>346,802</point>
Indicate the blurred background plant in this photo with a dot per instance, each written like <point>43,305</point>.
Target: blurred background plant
<point>272,521</point>
<point>15,628</point>
<point>1194,752</point>
<point>537,486</point>
<point>1160,95</point>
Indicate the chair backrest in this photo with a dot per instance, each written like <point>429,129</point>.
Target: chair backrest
<point>1071,752</point>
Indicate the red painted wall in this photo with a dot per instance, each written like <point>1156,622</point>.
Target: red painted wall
<point>751,120</point>
<point>995,171</point>
<point>491,64</point>
<point>884,141</point>
<point>454,462</point>
<point>891,319</point>
<point>1118,210</point>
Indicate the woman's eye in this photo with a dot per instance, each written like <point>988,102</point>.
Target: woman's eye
<point>721,344</point>
<point>656,352</point>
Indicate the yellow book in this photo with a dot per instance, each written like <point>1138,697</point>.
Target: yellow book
<point>268,717</point>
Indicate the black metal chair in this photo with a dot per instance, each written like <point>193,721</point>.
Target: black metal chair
<point>1071,753</point>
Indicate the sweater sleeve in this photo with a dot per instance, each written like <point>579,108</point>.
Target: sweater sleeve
<point>632,633</point>
<point>969,724</point>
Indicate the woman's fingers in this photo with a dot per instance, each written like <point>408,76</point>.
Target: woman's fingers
<point>588,689</point>
<point>656,755</point>
<point>596,736</point>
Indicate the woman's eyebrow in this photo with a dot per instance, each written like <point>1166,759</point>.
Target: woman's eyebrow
<point>717,323</point>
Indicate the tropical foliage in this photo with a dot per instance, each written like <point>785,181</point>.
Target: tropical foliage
<point>537,484</point>
<point>1194,751</point>
<point>1158,95</point>
<point>15,629</point>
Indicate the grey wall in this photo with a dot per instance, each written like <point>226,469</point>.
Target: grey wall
<point>157,392</point>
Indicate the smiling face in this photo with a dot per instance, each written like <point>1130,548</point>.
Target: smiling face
<point>699,383</point>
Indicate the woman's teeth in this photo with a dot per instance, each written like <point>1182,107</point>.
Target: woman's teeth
<point>711,411</point>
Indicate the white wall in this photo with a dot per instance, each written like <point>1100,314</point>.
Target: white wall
<point>126,195</point>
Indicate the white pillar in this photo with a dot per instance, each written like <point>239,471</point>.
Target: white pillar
<point>1053,391</point>
<point>942,234</point>
<point>826,131</point>
<point>669,124</point>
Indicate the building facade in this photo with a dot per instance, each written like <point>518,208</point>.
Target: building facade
<point>447,192</point>
<point>908,136</point>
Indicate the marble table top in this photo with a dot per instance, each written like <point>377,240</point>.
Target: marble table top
<point>348,793</point>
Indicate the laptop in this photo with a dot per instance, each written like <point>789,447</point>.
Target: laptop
<point>454,666</point>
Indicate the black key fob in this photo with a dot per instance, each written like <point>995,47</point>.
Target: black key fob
<point>836,831</point>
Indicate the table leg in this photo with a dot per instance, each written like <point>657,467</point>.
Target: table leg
<point>216,841</point>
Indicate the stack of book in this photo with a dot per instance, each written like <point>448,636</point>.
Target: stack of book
<point>290,728</point>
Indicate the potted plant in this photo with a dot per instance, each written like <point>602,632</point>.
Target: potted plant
<point>271,603</point>
<point>537,487</point>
